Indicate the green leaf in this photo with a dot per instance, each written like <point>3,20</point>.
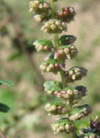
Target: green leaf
<point>79,109</point>
<point>62,122</point>
<point>52,61</point>
<point>74,67</point>
<point>66,39</point>
<point>88,131</point>
<point>57,103</point>
<point>52,86</point>
<point>68,88</point>
<point>51,56</point>
<point>79,88</point>
<point>4,108</point>
<point>44,42</point>
<point>7,82</point>
<point>66,46</point>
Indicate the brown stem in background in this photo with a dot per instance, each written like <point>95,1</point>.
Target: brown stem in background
<point>2,134</point>
<point>5,22</point>
<point>31,60</point>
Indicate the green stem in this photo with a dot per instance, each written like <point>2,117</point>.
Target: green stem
<point>63,78</point>
<point>56,41</point>
<point>52,8</point>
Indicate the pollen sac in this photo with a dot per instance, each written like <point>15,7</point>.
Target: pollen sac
<point>66,14</point>
<point>67,39</point>
<point>51,65</point>
<point>54,26</point>
<point>75,73</point>
<point>43,45</point>
<point>80,112</point>
<point>63,125</point>
<point>56,108</point>
<point>66,52</point>
<point>39,7</point>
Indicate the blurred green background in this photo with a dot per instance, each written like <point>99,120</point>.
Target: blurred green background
<point>20,62</point>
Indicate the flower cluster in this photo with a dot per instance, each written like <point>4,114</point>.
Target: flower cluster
<point>80,112</point>
<point>75,73</point>
<point>66,14</point>
<point>66,52</point>
<point>56,108</point>
<point>54,26</point>
<point>40,9</point>
<point>62,126</point>
<point>74,95</point>
<point>60,48</point>
<point>50,66</point>
<point>43,45</point>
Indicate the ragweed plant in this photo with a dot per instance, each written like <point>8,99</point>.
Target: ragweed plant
<point>62,48</point>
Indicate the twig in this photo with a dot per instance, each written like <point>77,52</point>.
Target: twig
<point>2,134</point>
<point>5,22</point>
<point>40,77</point>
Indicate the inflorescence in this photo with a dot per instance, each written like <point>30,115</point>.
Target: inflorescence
<point>59,49</point>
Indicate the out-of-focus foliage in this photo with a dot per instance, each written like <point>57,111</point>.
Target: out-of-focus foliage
<point>16,29</point>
